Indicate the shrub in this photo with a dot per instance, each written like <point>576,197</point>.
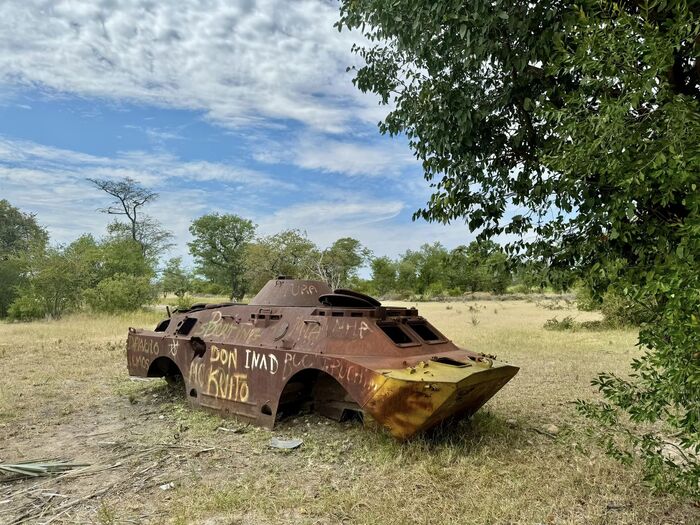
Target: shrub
<point>26,307</point>
<point>120,293</point>
<point>619,310</point>
<point>585,301</point>
<point>185,302</point>
<point>567,323</point>
<point>435,290</point>
<point>520,288</point>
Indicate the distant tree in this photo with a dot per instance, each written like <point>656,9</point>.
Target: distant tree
<point>120,293</point>
<point>423,271</point>
<point>52,288</point>
<point>532,274</point>
<point>89,257</point>
<point>340,262</point>
<point>19,231</point>
<point>19,234</point>
<point>130,198</point>
<point>432,262</point>
<point>384,273</point>
<point>481,266</point>
<point>407,270</point>
<point>219,248</point>
<point>175,279</point>
<point>123,256</point>
<point>289,252</point>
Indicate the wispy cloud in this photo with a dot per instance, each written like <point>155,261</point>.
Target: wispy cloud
<point>352,157</point>
<point>293,142</point>
<point>240,62</point>
<point>149,168</point>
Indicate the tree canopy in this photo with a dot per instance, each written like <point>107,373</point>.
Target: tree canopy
<point>19,234</point>
<point>288,252</point>
<point>129,200</point>
<point>219,246</point>
<point>572,127</point>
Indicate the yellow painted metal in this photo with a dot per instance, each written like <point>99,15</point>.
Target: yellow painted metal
<point>413,399</point>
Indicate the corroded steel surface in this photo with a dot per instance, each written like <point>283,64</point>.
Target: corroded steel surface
<point>294,346</point>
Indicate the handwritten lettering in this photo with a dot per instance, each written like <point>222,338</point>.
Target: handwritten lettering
<point>227,358</point>
<point>144,346</point>
<point>229,386</point>
<point>348,328</point>
<point>259,361</point>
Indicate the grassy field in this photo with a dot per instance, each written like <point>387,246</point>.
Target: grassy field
<point>65,394</point>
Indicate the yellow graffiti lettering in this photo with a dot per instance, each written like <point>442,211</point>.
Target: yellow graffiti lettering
<point>228,358</point>
<point>232,387</point>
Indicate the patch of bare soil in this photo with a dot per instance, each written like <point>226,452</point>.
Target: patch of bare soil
<point>138,452</point>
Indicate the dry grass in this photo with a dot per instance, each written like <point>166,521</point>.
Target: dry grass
<point>65,394</point>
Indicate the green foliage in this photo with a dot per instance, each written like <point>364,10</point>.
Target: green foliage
<point>12,275</point>
<point>432,271</point>
<point>120,293</point>
<point>219,247</point>
<point>481,266</point>
<point>567,323</point>
<point>289,252</point>
<point>52,287</point>
<point>175,279</point>
<point>204,287</point>
<point>339,263</point>
<point>585,116</point>
<point>621,310</point>
<point>122,256</point>
<point>19,234</point>
<point>26,307</point>
<point>384,272</point>
<point>184,302</point>
<point>618,309</point>
<point>585,298</point>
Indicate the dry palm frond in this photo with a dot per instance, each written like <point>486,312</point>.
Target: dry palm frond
<point>32,469</point>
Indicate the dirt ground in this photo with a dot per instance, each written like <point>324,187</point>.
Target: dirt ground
<point>65,394</point>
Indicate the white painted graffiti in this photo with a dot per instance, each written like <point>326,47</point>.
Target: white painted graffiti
<point>144,346</point>
<point>173,347</point>
<point>338,368</point>
<point>217,326</point>
<point>138,361</point>
<point>348,328</point>
<point>259,361</point>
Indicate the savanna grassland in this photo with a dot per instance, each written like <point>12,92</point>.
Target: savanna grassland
<point>65,394</point>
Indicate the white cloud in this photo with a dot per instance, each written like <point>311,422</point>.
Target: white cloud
<point>353,158</point>
<point>146,167</point>
<point>374,158</point>
<point>240,62</point>
<point>51,182</point>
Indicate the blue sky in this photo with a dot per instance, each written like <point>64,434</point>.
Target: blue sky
<point>234,107</point>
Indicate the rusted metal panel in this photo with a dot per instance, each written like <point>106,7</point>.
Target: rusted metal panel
<point>293,346</point>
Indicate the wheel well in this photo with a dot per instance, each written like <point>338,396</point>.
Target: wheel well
<point>163,367</point>
<point>317,391</point>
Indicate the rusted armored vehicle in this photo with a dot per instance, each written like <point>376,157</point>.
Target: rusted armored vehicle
<point>300,344</point>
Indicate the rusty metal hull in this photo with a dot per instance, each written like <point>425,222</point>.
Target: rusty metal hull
<point>292,346</point>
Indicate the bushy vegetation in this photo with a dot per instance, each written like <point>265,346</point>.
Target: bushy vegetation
<point>42,281</point>
<point>120,271</point>
<point>433,271</point>
<point>120,293</point>
<point>585,117</point>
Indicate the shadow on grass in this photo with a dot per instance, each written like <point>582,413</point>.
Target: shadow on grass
<point>461,437</point>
